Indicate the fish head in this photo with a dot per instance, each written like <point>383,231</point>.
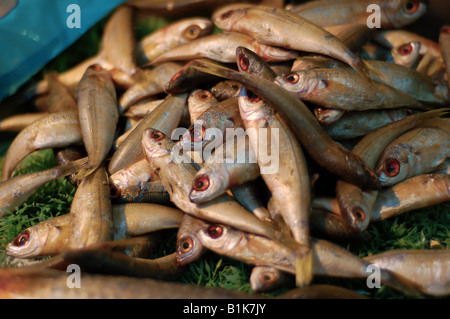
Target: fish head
<point>194,28</point>
<point>407,54</point>
<point>394,164</point>
<point>28,243</point>
<point>199,100</point>
<point>226,16</point>
<point>301,82</point>
<point>251,106</point>
<point>188,249</point>
<point>156,144</point>
<point>264,278</point>
<point>400,13</point>
<point>220,238</point>
<point>208,183</point>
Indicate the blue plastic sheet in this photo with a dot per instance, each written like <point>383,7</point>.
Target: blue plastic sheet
<point>36,31</point>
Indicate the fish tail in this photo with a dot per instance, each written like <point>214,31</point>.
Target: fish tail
<point>71,168</point>
<point>304,266</point>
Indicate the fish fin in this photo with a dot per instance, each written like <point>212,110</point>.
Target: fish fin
<point>370,73</point>
<point>303,266</point>
<point>83,173</point>
<point>71,168</point>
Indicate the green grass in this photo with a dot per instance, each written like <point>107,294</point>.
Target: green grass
<point>413,230</point>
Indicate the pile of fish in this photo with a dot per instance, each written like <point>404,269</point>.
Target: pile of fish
<point>264,133</point>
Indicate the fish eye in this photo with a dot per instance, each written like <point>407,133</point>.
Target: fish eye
<point>391,167</point>
<point>197,135</point>
<point>114,191</point>
<point>186,245</point>
<point>411,6</point>
<point>201,183</point>
<point>214,231</point>
<point>243,62</point>
<point>292,78</point>
<point>252,97</point>
<point>358,214</point>
<point>405,49</point>
<point>268,277</point>
<point>22,238</point>
<point>192,32</point>
<point>156,135</point>
<point>203,95</point>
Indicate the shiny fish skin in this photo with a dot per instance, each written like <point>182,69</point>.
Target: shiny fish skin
<point>91,211</point>
<point>178,177</point>
<point>18,122</point>
<point>429,268</point>
<point>165,117</point>
<point>60,97</point>
<point>307,129</point>
<point>169,37</point>
<point>53,130</point>
<point>232,164</point>
<point>416,152</point>
<point>98,114</point>
<point>393,12</point>
<point>276,29</point>
<point>411,194</point>
<point>52,236</point>
<point>221,47</point>
<point>136,184</point>
<point>345,90</point>
<point>199,101</point>
<point>16,190</point>
<point>329,259</point>
<point>148,83</point>
<point>49,284</point>
<point>189,248</point>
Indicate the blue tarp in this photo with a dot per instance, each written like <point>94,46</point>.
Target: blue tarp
<point>36,31</point>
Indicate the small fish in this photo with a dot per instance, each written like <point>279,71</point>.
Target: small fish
<point>330,260</point>
<point>18,122</point>
<point>232,164</point>
<point>91,220</point>
<point>275,27</point>
<point>416,152</point>
<point>345,90</point>
<point>360,123</point>
<point>189,247</point>
<point>428,268</point>
<point>198,102</point>
<point>266,278</point>
<point>60,97</point>
<point>54,130</point>
<point>52,236</point>
<point>171,36</point>
<point>135,183</point>
<point>150,82</point>
<point>356,203</point>
<point>394,13</point>
<point>412,194</point>
<point>16,190</point>
<point>221,47</point>
<point>165,117</point>
<point>407,54</point>
<point>98,114</point>
<point>305,126</point>
<point>225,89</point>
<point>251,62</point>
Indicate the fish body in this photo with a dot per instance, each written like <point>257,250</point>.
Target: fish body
<point>171,36</point>
<point>91,220</point>
<point>416,152</point>
<point>189,247</point>
<point>98,114</point>
<point>54,130</point>
<point>221,47</point>
<point>393,13</point>
<point>199,101</point>
<point>136,184</point>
